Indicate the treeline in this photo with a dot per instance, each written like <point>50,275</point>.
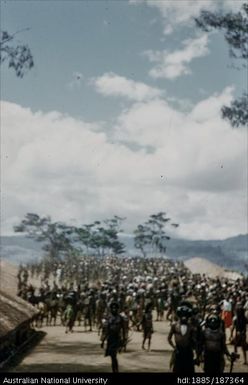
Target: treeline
<point>100,238</point>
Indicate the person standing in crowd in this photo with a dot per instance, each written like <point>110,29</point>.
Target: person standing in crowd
<point>227,311</point>
<point>126,319</point>
<point>213,345</point>
<point>115,335</point>
<point>184,343</point>
<point>70,311</point>
<point>147,326</point>
<point>239,327</point>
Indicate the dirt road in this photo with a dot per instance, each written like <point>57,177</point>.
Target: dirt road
<point>80,351</point>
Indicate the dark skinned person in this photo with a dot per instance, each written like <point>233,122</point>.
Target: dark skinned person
<point>213,345</point>
<point>182,338</point>
<point>147,326</point>
<point>115,335</point>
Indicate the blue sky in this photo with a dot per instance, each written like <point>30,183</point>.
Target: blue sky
<point>132,91</point>
<point>94,37</point>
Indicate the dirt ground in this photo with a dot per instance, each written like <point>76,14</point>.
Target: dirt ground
<point>80,351</point>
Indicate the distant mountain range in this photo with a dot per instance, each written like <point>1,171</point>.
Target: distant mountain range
<point>18,249</point>
<point>231,253</point>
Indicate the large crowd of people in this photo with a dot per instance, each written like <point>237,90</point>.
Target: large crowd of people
<point>111,296</point>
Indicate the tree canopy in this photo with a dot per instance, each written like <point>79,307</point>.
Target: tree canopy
<point>56,237</point>
<point>62,241</point>
<point>101,238</point>
<point>235,29</point>
<point>151,236</point>
<point>18,56</point>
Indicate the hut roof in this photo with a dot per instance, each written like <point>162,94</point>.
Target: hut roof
<point>13,312</point>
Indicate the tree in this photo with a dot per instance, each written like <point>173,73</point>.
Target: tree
<point>83,236</point>
<point>56,236</point>
<point>157,223</point>
<point>151,236</point>
<point>18,56</point>
<point>101,238</point>
<point>235,28</point>
<point>142,238</point>
<point>113,230</point>
<point>237,113</point>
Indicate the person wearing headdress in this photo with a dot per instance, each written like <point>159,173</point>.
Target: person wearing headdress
<point>213,345</point>
<point>182,338</point>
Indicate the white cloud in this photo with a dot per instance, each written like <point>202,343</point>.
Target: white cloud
<point>202,161</point>
<point>171,65</point>
<point>209,108</point>
<point>54,164</point>
<point>111,84</point>
<point>182,12</point>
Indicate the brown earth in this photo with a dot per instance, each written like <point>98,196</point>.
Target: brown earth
<point>203,266</point>
<point>80,351</point>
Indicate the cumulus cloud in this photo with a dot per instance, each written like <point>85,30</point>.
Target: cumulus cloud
<point>67,168</point>
<point>186,144</point>
<point>202,161</point>
<point>170,65</point>
<point>182,12</point>
<point>111,84</point>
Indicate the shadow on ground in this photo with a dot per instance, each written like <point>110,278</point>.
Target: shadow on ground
<point>65,368</point>
<point>71,348</point>
<point>16,360</point>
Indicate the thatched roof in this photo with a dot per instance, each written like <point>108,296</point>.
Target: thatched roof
<point>13,312</point>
